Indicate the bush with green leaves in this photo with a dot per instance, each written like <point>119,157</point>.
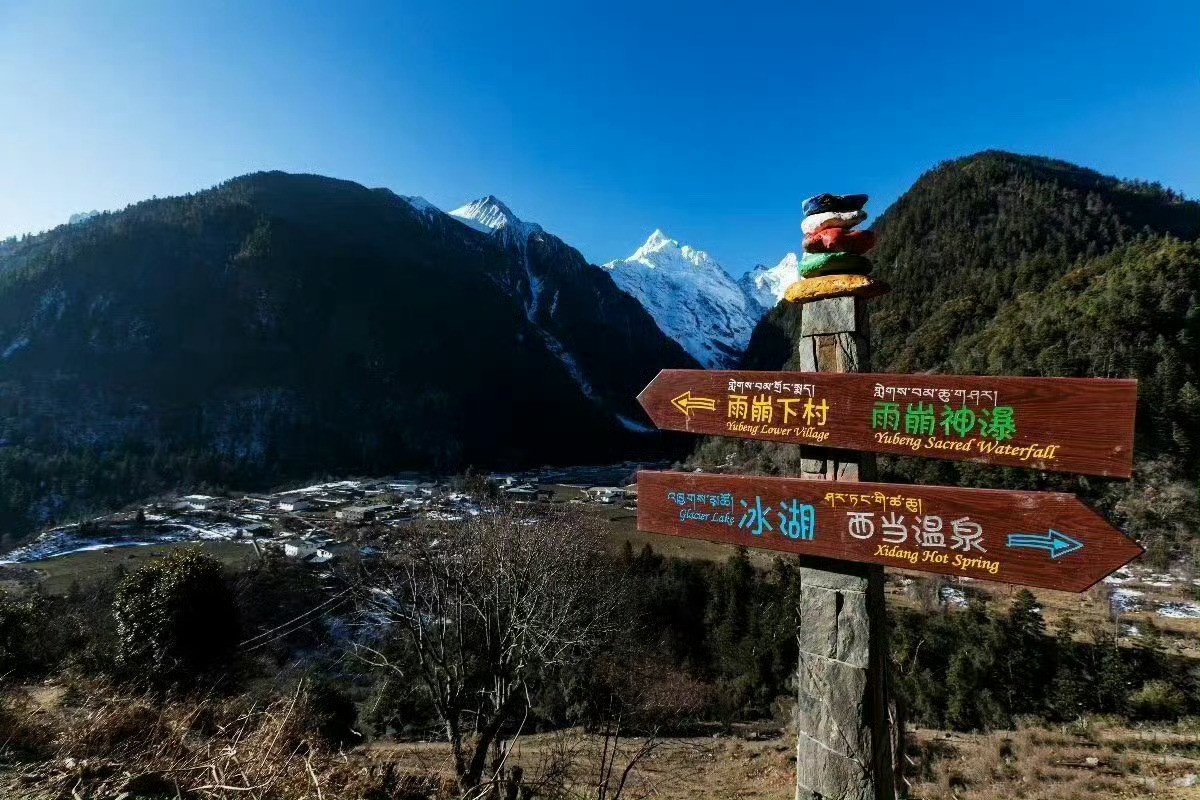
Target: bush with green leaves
<point>1157,699</point>
<point>21,621</point>
<point>176,619</point>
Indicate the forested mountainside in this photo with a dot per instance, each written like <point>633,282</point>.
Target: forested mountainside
<point>280,326</point>
<point>1006,264</point>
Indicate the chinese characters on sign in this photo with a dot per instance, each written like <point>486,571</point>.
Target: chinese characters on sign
<point>783,517</point>
<point>929,534</point>
<point>790,518</point>
<point>1033,538</point>
<point>996,423</point>
<point>753,408</point>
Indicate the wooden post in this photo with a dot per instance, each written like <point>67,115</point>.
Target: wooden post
<point>843,747</point>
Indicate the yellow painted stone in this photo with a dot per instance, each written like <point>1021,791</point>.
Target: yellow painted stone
<point>823,287</point>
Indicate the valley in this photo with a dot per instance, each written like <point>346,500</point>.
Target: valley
<point>297,398</point>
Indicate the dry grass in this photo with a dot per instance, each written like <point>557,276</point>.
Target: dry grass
<point>100,742</point>
<point>1082,762</point>
<point>566,764</point>
<point>94,741</point>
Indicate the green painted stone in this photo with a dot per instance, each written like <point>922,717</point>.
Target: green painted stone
<point>814,264</point>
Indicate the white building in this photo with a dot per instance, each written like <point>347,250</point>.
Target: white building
<point>605,494</point>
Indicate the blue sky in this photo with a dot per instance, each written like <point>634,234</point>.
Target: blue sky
<point>601,121</point>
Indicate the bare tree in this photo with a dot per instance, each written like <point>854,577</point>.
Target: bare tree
<point>479,614</point>
<point>643,698</point>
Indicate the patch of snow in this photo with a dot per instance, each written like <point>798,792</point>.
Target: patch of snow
<point>63,541</point>
<point>691,297</point>
<point>1179,610</point>
<point>1126,599</point>
<point>633,425</point>
<point>15,345</point>
<point>953,597</point>
<point>320,487</point>
<point>420,204</point>
<point>573,369</point>
<point>1123,575</point>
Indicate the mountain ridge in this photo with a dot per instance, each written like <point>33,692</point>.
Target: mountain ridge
<point>279,326</point>
<point>1021,265</point>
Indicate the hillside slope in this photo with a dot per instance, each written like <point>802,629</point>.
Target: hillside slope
<point>1005,264</point>
<point>283,325</point>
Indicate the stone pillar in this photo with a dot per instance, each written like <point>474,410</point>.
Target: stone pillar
<point>843,750</point>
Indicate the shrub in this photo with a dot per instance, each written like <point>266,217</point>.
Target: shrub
<point>1157,700</point>
<point>334,714</point>
<point>176,619</point>
<point>21,623</point>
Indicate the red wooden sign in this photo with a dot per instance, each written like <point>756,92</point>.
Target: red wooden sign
<point>1045,539</point>
<point>1059,424</point>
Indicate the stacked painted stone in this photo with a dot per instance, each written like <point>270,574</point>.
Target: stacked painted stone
<point>831,247</point>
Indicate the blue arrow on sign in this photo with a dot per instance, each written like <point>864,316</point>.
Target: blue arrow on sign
<point>1059,544</point>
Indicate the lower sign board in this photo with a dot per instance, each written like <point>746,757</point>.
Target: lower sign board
<point>1058,424</point>
<point>1044,539</point>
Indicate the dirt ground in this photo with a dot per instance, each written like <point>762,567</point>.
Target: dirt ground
<point>1088,762</point>
<point>678,768</point>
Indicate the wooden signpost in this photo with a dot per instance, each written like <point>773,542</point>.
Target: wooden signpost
<point>1082,425</point>
<point>1044,539</point>
<point>844,532</point>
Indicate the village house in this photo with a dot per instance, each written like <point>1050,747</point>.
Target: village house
<point>307,552</point>
<point>295,503</point>
<point>361,513</point>
<point>529,493</point>
<point>605,494</point>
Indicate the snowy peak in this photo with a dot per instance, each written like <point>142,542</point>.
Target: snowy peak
<point>490,214</point>
<point>691,297</point>
<point>662,252</point>
<point>766,285</point>
<point>657,242</point>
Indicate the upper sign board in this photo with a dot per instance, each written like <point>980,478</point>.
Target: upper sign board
<point>1080,425</point>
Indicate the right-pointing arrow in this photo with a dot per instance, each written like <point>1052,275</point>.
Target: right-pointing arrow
<point>1057,543</point>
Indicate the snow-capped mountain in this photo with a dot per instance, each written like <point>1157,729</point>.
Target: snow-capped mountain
<point>580,315</point>
<point>766,285</point>
<point>691,297</point>
<point>489,214</point>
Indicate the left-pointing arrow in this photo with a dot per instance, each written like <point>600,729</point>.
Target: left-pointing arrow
<point>686,403</point>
